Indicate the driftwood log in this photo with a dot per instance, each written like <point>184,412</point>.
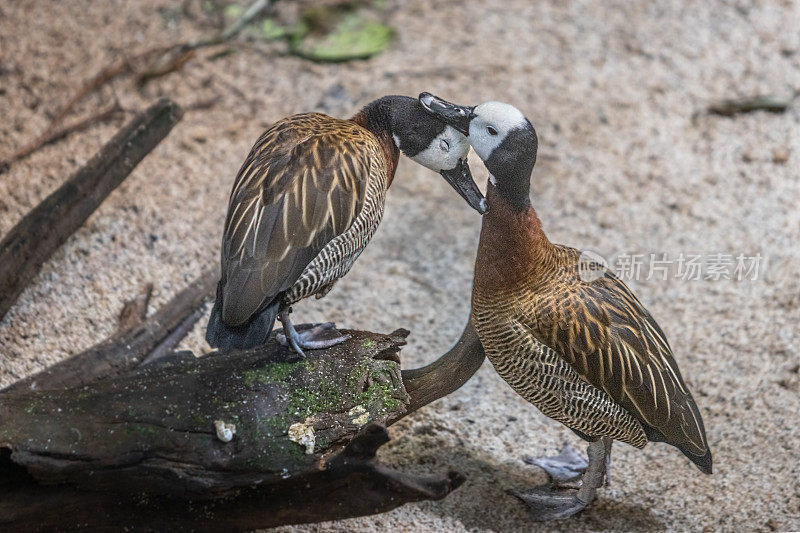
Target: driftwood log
<point>124,434</point>
<point>34,239</point>
<point>132,435</point>
<point>146,449</point>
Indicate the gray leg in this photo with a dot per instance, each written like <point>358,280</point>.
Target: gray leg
<point>319,337</point>
<point>549,502</point>
<point>290,335</point>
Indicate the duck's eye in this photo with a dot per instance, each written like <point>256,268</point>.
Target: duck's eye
<point>444,146</point>
<point>491,130</point>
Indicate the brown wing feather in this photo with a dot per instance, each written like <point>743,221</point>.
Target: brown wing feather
<point>602,330</point>
<point>302,185</point>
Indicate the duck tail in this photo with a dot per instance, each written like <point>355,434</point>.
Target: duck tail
<point>704,462</point>
<point>693,444</point>
<point>252,333</point>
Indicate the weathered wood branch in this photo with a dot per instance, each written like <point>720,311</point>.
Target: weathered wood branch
<point>447,373</point>
<point>139,448</point>
<point>156,424</point>
<point>130,346</point>
<point>106,440</point>
<point>34,239</point>
<point>303,448</point>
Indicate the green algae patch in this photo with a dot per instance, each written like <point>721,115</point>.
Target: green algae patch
<point>328,397</point>
<point>368,344</point>
<point>382,396</point>
<point>370,384</point>
<point>270,374</point>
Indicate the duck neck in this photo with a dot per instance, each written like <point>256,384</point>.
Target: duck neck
<point>513,247</point>
<point>377,118</point>
<point>516,193</point>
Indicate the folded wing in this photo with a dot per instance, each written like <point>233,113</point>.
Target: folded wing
<point>602,330</point>
<point>298,189</point>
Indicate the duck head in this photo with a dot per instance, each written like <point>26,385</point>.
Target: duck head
<point>501,136</point>
<point>428,141</point>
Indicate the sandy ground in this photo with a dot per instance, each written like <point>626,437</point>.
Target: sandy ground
<point>624,169</point>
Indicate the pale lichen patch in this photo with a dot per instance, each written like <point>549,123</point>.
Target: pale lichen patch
<point>303,434</point>
<point>358,415</point>
<point>225,431</point>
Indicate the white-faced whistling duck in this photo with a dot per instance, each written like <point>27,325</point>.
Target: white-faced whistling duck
<point>584,351</point>
<point>306,202</point>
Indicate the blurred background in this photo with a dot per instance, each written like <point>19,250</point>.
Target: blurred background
<point>666,130</point>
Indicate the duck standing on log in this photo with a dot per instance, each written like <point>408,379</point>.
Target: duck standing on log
<point>584,351</point>
<point>306,202</point>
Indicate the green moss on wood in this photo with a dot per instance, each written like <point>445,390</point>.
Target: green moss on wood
<point>271,373</point>
<point>142,430</point>
<point>380,396</point>
<point>368,344</point>
<point>329,397</point>
<point>326,397</point>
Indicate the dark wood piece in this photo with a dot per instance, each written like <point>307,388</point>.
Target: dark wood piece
<point>33,240</point>
<point>123,434</point>
<point>141,450</point>
<point>130,346</point>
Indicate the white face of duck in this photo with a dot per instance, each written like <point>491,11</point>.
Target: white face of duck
<point>501,136</point>
<point>444,152</point>
<point>436,145</point>
<point>492,123</point>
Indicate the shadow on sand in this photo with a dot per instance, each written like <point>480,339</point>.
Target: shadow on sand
<point>482,502</point>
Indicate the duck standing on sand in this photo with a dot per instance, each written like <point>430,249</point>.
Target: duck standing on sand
<point>586,353</point>
<point>306,202</point>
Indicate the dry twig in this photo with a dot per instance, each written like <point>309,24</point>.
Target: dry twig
<point>159,60</point>
<point>729,108</point>
<point>106,74</point>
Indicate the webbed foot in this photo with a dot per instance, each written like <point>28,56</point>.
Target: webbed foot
<point>547,502</point>
<point>569,492</point>
<point>565,469</point>
<point>316,338</point>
